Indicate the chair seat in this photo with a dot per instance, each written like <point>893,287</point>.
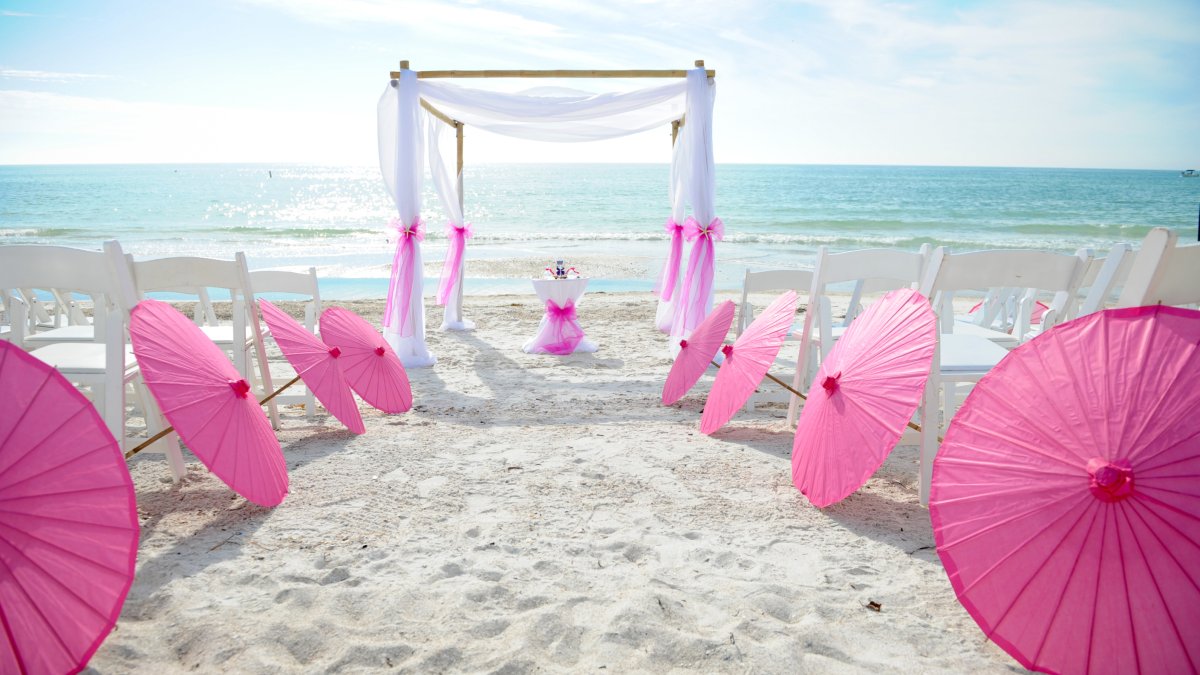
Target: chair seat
<point>1003,339</point>
<point>64,334</point>
<point>81,358</point>
<point>969,353</point>
<point>222,335</point>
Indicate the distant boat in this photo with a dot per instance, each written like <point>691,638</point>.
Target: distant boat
<point>1190,173</point>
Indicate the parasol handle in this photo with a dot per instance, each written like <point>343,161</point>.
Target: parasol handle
<point>150,441</point>
<point>911,425</point>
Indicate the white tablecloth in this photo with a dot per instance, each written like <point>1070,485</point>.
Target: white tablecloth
<point>560,291</point>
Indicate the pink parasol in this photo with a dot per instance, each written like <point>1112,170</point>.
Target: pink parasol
<point>1065,500</point>
<point>747,361</point>
<point>696,352</point>
<point>316,363</point>
<point>208,402</point>
<point>370,365</point>
<point>69,530</point>
<point>863,395</point>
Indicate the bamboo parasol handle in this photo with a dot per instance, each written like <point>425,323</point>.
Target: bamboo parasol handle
<point>149,441</point>
<point>911,425</point>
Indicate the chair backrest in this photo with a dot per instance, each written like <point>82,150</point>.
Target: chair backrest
<point>874,271</point>
<point>94,273</point>
<point>296,283</point>
<point>1163,273</point>
<point>1101,277</point>
<point>100,274</point>
<point>799,280</point>
<point>1036,271</point>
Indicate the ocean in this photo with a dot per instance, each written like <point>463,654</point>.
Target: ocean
<point>334,218</point>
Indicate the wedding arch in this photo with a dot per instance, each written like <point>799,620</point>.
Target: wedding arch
<point>416,110</point>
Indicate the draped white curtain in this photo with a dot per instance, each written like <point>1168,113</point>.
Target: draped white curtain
<point>546,115</point>
<point>448,185</point>
<point>697,179</point>
<point>401,152</point>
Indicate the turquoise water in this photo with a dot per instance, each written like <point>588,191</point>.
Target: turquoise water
<point>775,215</point>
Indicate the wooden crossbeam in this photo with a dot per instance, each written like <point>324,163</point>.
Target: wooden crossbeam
<point>434,74</point>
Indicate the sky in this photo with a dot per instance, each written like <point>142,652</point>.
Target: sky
<point>1035,83</point>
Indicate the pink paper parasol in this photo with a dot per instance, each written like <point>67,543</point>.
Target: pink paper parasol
<point>1065,500</point>
<point>316,363</point>
<point>372,368</point>
<point>208,402</point>
<point>747,361</point>
<point>862,397</point>
<point>69,529</point>
<point>696,352</point>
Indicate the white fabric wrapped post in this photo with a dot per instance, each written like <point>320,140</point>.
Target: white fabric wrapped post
<point>401,162</point>
<point>668,283</point>
<point>449,192</point>
<point>699,180</point>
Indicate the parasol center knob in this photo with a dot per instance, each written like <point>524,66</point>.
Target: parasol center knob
<point>727,350</point>
<point>1110,482</point>
<point>683,344</point>
<point>831,383</point>
<point>379,351</point>
<point>335,352</point>
<point>240,387</point>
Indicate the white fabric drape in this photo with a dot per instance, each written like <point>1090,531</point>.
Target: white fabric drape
<point>558,116</point>
<point>698,181</point>
<point>448,185</point>
<point>401,153</point>
<point>676,192</point>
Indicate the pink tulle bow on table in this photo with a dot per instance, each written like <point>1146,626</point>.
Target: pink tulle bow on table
<point>402,273</point>
<point>671,271</point>
<point>562,333</point>
<point>457,235</point>
<point>702,263</point>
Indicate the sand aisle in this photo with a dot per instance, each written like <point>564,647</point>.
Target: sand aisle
<point>540,514</point>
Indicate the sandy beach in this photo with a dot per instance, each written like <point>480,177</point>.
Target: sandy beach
<point>540,514</point>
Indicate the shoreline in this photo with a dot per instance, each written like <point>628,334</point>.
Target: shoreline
<point>539,513</point>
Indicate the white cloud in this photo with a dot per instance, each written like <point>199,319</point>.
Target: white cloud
<point>48,76</point>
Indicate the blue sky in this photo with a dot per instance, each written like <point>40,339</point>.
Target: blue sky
<point>984,82</point>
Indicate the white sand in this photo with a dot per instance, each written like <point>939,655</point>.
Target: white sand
<point>540,513</point>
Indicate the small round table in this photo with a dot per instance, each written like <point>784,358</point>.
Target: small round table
<point>559,332</point>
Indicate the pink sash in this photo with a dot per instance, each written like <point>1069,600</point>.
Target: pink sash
<point>457,246</point>
<point>670,273</point>
<point>562,333</point>
<point>402,274</point>
<point>702,262</point>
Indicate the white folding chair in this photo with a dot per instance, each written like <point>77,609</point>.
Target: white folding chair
<point>1163,273</point>
<point>303,284</point>
<point>873,271</point>
<point>965,358</point>
<point>106,365</point>
<point>242,338</point>
<point>798,280</point>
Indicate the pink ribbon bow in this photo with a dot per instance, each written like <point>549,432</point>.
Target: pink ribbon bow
<point>397,228</point>
<point>561,333</point>
<point>698,280</point>
<point>457,247</point>
<point>564,313</point>
<point>670,273</point>
<point>714,232</point>
<point>403,271</point>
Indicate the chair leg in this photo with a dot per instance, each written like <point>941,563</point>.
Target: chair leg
<point>155,422</point>
<point>929,434</point>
